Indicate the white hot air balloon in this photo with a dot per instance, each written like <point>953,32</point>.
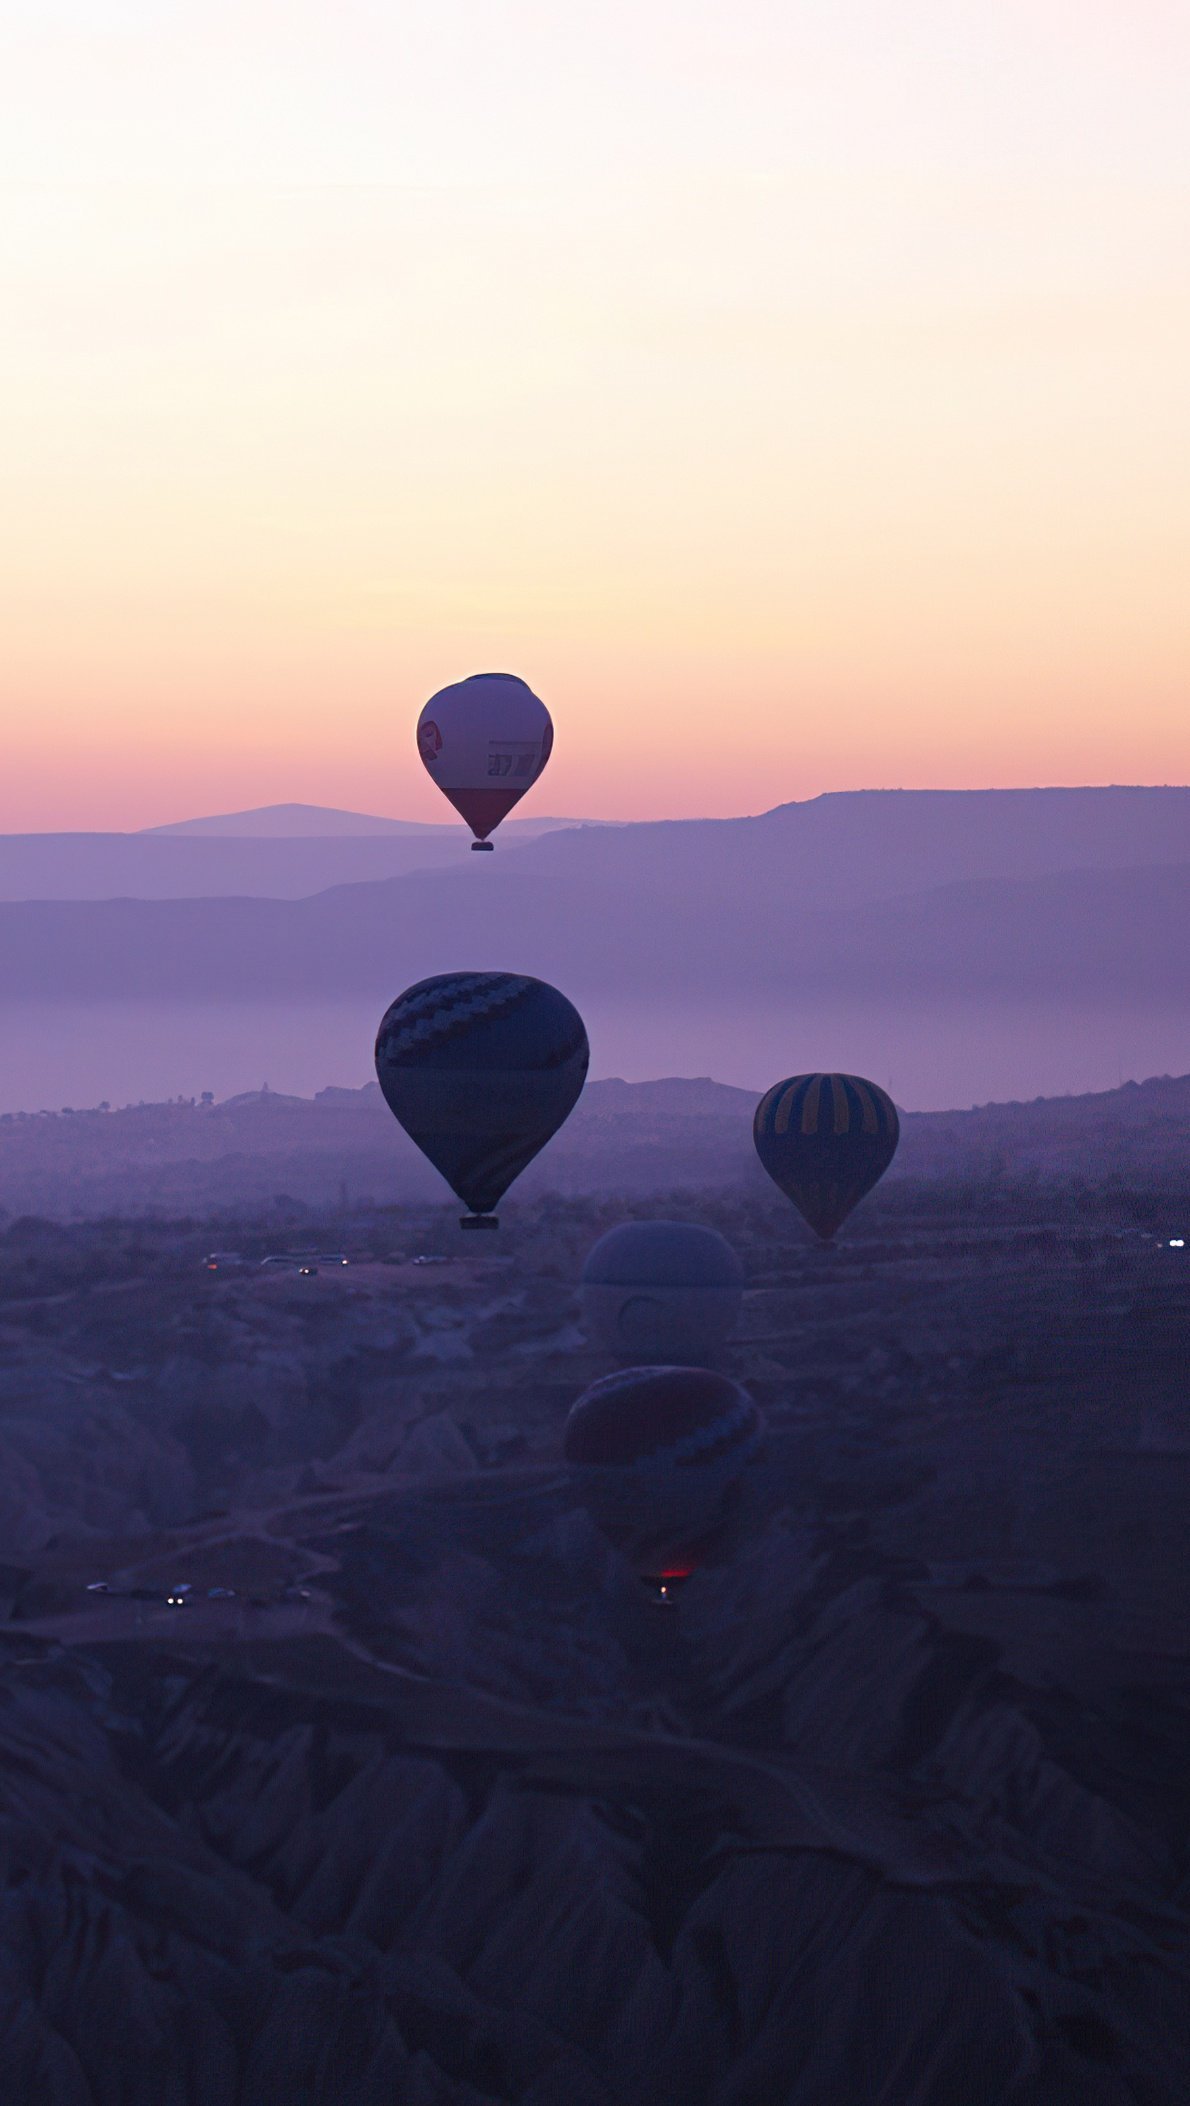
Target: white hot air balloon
<point>485,741</point>
<point>661,1292</point>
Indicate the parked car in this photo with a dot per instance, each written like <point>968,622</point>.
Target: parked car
<point>307,1261</point>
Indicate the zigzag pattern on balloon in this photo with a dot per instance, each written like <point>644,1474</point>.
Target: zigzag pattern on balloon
<point>440,1008</point>
<point>662,1417</point>
<point>737,1435</point>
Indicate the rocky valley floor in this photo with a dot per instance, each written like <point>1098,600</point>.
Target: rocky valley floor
<point>412,1793</point>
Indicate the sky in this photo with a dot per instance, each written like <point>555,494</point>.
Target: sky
<point>797,395</point>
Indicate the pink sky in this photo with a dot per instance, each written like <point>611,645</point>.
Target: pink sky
<point>796,397</point>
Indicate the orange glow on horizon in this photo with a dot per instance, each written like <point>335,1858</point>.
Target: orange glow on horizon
<point>796,408</point>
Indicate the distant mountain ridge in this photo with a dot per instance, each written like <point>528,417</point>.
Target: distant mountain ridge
<point>287,822</point>
<point>1076,933</point>
<point>988,907</point>
<point>842,849</point>
<point>853,847</point>
<point>214,859</point>
<point>291,822</point>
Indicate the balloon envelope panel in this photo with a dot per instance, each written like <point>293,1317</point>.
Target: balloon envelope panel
<point>825,1140</point>
<point>656,1455</point>
<point>666,1325</point>
<point>481,1069</point>
<point>665,1291</point>
<point>663,1254</point>
<point>485,741</point>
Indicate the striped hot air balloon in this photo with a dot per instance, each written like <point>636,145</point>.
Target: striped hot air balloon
<point>826,1140</point>
<point>485,741</point>
<point>481,1069</point>
<point>656,1454</point>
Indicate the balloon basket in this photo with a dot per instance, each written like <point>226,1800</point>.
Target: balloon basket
<point>479,848</point>
<point>478,1221</point>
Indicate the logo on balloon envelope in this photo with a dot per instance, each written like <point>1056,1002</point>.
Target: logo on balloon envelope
<point>664,1291</point>
<point>481,1069</point>
<point>521,762</point>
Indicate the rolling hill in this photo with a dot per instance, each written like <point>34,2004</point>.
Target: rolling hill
<point>281,852</point>
<point>835,851</point>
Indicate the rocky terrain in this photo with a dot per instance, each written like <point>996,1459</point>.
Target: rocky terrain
<point>412,1793</point>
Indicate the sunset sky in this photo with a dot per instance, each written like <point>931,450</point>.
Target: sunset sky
<point>797,395</point>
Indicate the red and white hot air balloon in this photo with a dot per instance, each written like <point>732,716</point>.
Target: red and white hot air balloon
<point>485,741</point>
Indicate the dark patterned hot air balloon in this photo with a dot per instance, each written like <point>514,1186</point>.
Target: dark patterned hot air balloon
<point>481,1069</point>
<point>485,741</point>
<point>656,1454</point>
<point>826,1140</point>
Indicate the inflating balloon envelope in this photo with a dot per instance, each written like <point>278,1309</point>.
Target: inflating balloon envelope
<point>825,1140</point>
<point>485,741</point>
<point>481,1069</point>
<point>656,1455</point>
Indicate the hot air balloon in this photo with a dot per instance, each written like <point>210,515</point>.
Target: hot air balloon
<point>667,1291</point>
<point>485,741</point>
<point>481,1069</point>
<point>656,1454</point>
<point>826,1140</point>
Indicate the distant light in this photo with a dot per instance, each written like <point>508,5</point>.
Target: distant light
<point>175,1601</point>
<point>1177,1243</point>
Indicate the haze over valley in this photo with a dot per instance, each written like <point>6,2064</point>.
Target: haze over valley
<point>961,947</point>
